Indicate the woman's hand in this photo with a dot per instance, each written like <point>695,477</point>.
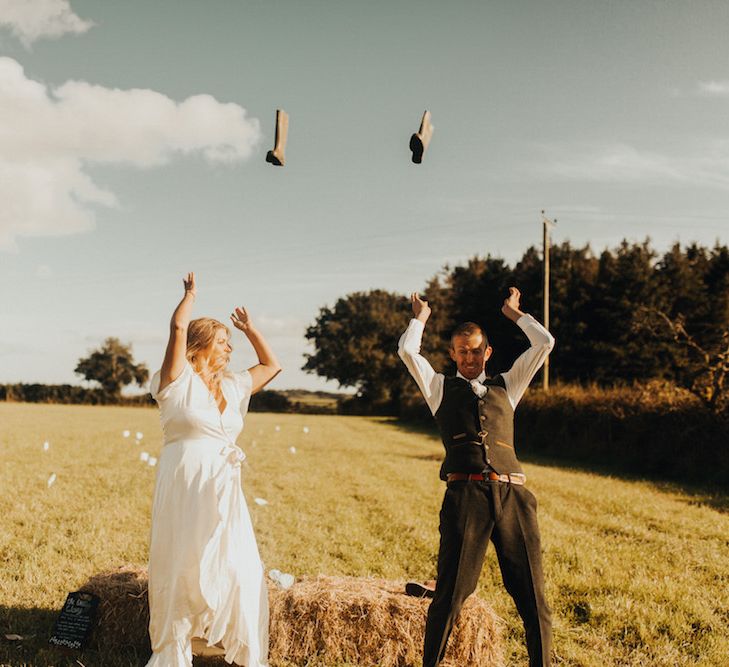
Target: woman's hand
<point>189,284</point>
<point>267,367</point>
<point>174,361</point>
<point>241,320</point>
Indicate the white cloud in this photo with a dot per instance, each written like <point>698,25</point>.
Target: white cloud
<point>48,138</point>
<point>621,163</point>
<point>610,163</point>
<point>714,88</point>
<point>30,20</point>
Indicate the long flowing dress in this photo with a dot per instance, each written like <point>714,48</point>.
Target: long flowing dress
<point>205,573</point>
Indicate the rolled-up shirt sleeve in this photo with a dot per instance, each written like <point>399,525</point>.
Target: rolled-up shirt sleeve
<point>518,377</point>
<point>429,382</point>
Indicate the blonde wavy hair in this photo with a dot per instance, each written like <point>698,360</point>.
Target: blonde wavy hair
<point>200,336</point>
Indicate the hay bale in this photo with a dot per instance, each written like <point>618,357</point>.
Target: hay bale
<point>362,621</point>
<point>123,615</point>
<point>371,622</point>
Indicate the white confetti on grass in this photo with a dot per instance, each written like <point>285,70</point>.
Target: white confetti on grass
<point>305,429</point>
<point>277,428</point>
<point>144,456</point>
<point>260,501</point>
<point>46,446</point>
<point>51,480</point>
<point>292,449</point>
<point>139,435</point>
<point>126,434</point>
<point>152,461</point>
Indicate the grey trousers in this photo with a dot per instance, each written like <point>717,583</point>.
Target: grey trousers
<point>472,513</point>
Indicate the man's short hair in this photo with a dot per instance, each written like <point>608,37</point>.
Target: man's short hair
<point>468,329</point>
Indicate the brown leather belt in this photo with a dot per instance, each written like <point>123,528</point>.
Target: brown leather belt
<point>513,478</point>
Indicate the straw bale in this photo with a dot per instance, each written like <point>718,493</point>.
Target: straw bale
<point>326,620</point>
<point>123,614</point>
<point>371,622</point>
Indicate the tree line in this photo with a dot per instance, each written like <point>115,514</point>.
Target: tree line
<point>111,367</point>
<point>625,315</point>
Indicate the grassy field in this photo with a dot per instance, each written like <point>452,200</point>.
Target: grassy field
<point>637,572</point>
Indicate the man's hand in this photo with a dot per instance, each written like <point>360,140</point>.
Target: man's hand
<point>421,309</point>
<point>511,305</point>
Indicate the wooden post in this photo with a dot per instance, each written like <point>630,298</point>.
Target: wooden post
<point>546,223</point>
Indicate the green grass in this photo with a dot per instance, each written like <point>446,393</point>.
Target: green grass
<point>637,572</point>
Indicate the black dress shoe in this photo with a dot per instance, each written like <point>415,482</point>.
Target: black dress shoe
<point>418,590</point>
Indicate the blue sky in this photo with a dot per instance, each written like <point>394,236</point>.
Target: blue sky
<point>133,137</point>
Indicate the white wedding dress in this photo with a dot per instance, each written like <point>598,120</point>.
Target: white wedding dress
<point>205,574</point>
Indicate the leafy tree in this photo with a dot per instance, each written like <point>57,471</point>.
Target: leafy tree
<point>355,343</point>
<point>475,293</point>
<point>625,283</point>
<point>716,295</point>
<point>572,286</point>
<point>600,313</point>
<point>705,372</point>
<point>113,367</point>
<point>691,330</point>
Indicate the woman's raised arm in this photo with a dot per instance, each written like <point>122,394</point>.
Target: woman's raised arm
<point>268,366</point>
<point>174,362</point>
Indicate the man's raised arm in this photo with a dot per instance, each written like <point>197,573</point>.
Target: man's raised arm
<point>429,382</point>
<point>518,377</point>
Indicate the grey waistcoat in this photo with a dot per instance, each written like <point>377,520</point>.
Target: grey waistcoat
<point>477,433</point>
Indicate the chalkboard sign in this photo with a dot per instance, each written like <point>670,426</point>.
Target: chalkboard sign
<point>75,621</point>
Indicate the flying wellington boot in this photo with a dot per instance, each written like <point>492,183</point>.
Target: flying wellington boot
<point>420,140</point>
<point>276,156</point>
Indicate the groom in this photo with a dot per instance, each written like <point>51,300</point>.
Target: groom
<point>485,496</point>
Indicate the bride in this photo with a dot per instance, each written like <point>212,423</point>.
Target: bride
<point>205,574</point>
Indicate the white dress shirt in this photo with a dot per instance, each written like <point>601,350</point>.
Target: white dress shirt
<point>516,379</point>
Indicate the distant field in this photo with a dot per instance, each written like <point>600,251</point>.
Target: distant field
<point>637,573</point>
<point>322,400</point>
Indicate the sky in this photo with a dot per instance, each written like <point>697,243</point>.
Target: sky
<point>133,136</point>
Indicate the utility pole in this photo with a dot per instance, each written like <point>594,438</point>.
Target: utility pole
<point>547,225</point>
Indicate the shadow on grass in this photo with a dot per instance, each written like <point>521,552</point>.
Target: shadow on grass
<point>696,493</point>
<point>706,495</point>
<point>35,626</point>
